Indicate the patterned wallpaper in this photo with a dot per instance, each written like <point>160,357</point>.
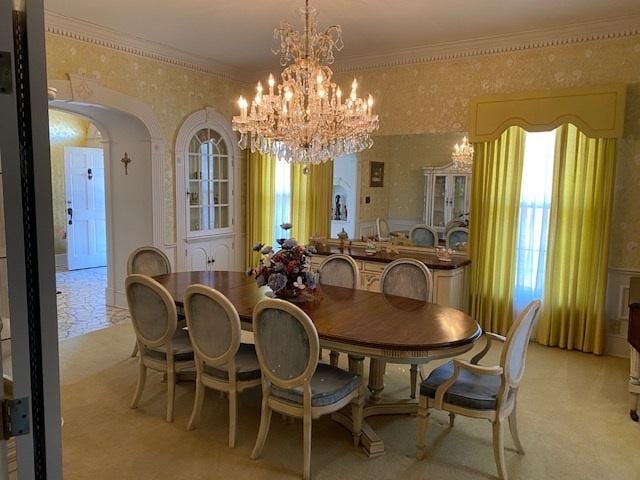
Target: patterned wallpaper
<point>172,92</point>
<point>413,99</point>
<point>434,97</point>
<point>65,130</point>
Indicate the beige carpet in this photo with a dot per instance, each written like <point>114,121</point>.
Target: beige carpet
<point>573,416</point>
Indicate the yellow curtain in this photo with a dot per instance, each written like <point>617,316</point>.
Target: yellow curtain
<point>261,199</point>
<point>576,271</point>
<point>495,200</point>
<point>311,201</point>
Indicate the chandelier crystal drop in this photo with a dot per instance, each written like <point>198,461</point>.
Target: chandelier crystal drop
<point>462,155</point>
<point>305,119</point>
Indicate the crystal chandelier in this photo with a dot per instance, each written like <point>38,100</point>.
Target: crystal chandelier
<point>304,119</point>
<point>462,155</point>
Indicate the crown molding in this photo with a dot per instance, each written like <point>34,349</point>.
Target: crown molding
<point>532,39</point>
<point>84,31</point>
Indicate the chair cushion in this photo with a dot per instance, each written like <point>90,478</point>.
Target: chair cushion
<point>247,366</point>
<point>182,349</point>
<point>470,390</point>
<point>328,385</point>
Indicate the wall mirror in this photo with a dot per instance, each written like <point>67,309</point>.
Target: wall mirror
<point>420,187</point>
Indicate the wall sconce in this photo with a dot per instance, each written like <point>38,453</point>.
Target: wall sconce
<point>126,161</point>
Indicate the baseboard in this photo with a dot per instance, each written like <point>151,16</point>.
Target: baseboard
<point>401,224</point>
<point>617,311</point>
<point>114,298</point>
<point>61,260</point>
<point>617,346</point>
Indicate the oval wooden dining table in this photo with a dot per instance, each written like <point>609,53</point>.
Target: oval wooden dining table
<point>384,328</point>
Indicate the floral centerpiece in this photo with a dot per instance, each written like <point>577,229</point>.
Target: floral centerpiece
<point>286,272</point>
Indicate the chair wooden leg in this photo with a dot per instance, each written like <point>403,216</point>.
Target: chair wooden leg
<point>171,392</point>
<point>414,379</point>
<point>498,449</point>
<point>334,358</point>
<point>513,427</point>
<point>306,443</point>
<point>422,419</point>
<point>197,405</point>
<point>452,419</point>
<point>233,417</point>
<point>142,377</point>
<point>135,350</point>
<point>357,412</point>
<point>265,422</point>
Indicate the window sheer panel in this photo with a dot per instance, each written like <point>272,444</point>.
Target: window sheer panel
<point>283,200</point>
<point>533,226</point>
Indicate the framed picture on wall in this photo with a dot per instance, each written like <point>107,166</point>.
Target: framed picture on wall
<point>376,174</point>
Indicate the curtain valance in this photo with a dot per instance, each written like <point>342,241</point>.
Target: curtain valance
<point>597,111</point>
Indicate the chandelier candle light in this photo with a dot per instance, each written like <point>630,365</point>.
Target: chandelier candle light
<point>462,155</point>
<point>305,119</point>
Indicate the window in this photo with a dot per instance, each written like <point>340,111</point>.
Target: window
<point>209,182</point>
<point>535,207</point>
<point>283,200</point>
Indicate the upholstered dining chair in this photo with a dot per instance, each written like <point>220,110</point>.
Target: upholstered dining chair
<point>293,382</point>
<point>423,236</point>
<point>150,261</point>
<point>407,277</point>
<point>382,230</point>
<point>470,389</point>
<point>163,346</point>
<point>147,260</point>
<point>340,271</point>
<point>457,236</point>
<point>222,362</point>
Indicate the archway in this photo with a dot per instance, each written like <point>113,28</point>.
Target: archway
<point>134,198</point>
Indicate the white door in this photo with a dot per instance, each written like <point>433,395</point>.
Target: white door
<point>86,229</point>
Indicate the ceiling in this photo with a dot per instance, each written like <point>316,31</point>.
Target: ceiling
<point>239,33</point>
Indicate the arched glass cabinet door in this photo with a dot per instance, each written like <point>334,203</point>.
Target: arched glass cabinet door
<point>209,184</point>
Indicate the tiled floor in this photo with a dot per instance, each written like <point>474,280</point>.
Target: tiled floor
<point>81,303</point>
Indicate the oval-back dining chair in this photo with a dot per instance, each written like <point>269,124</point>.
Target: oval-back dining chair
<point>339,270</point>
<point>163,347</point>
<point>150,261</point>
<point>488,392</point>
<point>423,236</point>
<point>222,362</point>
<point>293,382</point>
<point>382,230</point>
<point>407,277</point>
<point>456,237</point>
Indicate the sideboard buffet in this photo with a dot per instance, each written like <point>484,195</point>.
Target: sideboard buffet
<point>450,278</point>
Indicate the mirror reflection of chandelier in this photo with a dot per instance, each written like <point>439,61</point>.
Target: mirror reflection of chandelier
<point>462,155</point>
<point>305,119</point>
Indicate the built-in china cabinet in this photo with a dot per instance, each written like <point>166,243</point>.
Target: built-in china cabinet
<point>447,195</point>
<point>207,194</point>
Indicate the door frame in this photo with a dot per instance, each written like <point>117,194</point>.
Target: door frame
<point>30,254</point>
